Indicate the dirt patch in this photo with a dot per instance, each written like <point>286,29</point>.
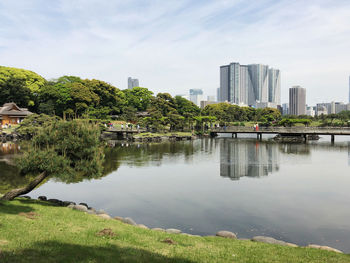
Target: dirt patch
<point>107,232</point>
<point>169,241</point>
<point>29,215</point>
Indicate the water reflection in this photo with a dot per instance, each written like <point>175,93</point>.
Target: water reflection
<point>349,153</point>
<point>242,158</point>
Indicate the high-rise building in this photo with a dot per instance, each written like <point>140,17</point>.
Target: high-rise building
<point>285,108</point>
<point>249,84</point>
<point>349,89</point>
<point>196,96</point>
<point>132,83</point>
<point>275,86</point>
<point>297,101</point>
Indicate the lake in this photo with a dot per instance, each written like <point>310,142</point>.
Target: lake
<point>299,193</point>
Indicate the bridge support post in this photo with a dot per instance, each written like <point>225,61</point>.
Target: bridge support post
<point>305,137</point>
<point>234,135</point>
<point>259,136</point>
<point>332,138</point>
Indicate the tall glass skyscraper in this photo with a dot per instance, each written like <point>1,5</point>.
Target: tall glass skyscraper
<point>297,101</point>
<point>249,84</point>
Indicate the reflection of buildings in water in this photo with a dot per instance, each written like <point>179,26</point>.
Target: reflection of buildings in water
<point>242,158</point>
<point>295,148</point>
<point>349,153</point>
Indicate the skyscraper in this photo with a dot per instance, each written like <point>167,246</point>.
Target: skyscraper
<point>249,84</point>
<point>297,101</point>
<point>132,83</point>
<point>349,89</point>
<point>196,96</point>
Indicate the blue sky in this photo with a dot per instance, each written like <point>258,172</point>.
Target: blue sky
<point>175,45</point>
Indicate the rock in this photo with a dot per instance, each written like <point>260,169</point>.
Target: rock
<point>118,218</point>
<point>91,212</point>
<point>71,206</point>
<point>84,204</point>
<point>26,197</point>
<point>271,240</point>
<point>142,226</point>
<point>324,248</point>
<point>158,229</point>
<point>55,201</point>
<point>104,216</point>
<point>67,203</point>
<point>226,234</point>
<point>173,231</point>
<point>130,221</point>
<point>100,212</point>
<point>80,208</point>
<point>42,198</point>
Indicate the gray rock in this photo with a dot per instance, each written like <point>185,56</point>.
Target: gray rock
<point>104,216</point>
<point>55,201</point>
<point>42,198</point>
<point>91,212</point>
<point>226,234</point>
<point>26,197</point>
<point>80,208</point>
<point>158,229</point>
<point>119,218</point>
<point>67,203</point>
<point>84,204</point>
<point>100,212</point>
<point>142,226</point>
<point>71,206</point>
<point>324,248</point>
<point>271,240</point>
<point>130,221</point>
<point>173,231</point>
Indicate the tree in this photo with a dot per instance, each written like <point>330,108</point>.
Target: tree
<point>138,98</point>
<point>64,150</point>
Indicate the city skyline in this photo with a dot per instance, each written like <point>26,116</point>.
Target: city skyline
<point>109,40</point>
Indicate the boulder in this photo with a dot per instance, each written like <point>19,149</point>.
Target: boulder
<point>26,197</point>
<point>130,221</point>
<point>271,240</point>
<point>142,226</point>
<point>100,212</point>
<point>324,248</point>
<point>42,198</point>
<point>55,201</point>
<point>84,204</point>
<point>104,216</point>
<point>226,234</point>
<point>173,231</point>
<point>67,203</point>
<point>71,206</point>
<point>118,218</point>
<point>158,229</point>
<point>91,212</point>
<point>80,208</point>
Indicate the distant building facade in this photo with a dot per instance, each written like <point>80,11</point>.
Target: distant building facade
<point>285,108</point>
<point>204,103</point>
<point>297,101</point>
<point>132,83</point>
<point>196,96</point>
<point>249,84</point>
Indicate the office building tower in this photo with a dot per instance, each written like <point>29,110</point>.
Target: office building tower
<point>132,83</point>
<point>349,89</point>
<point>285,108</point>
<point>196,96</point>
<point>249,84</point>
<point>275,86</point>
<point>297,101</point>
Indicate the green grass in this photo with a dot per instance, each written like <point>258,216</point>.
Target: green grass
<point>59,234</point>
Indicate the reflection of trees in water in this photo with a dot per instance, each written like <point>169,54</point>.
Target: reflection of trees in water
<point>154,153</point>
<point>246,158</point>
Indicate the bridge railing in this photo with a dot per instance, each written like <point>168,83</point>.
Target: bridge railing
<point>321,130</point>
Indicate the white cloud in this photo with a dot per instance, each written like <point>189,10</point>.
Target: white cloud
<point>172,46</point>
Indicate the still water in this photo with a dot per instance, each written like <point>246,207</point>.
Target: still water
<point>299,193</point>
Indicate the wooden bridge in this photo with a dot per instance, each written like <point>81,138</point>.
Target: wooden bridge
<point>283,131</point>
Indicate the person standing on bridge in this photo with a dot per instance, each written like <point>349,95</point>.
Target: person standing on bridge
<point>122,126</point>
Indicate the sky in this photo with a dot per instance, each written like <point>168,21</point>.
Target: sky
<point>175,45</point>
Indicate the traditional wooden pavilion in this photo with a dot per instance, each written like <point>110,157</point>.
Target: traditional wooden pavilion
<point>10,113</point>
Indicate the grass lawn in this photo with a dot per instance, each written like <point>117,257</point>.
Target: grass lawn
<point>59,234</point>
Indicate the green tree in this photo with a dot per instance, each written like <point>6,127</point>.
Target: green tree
<point>138,98</point>
<point>64,150</point>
